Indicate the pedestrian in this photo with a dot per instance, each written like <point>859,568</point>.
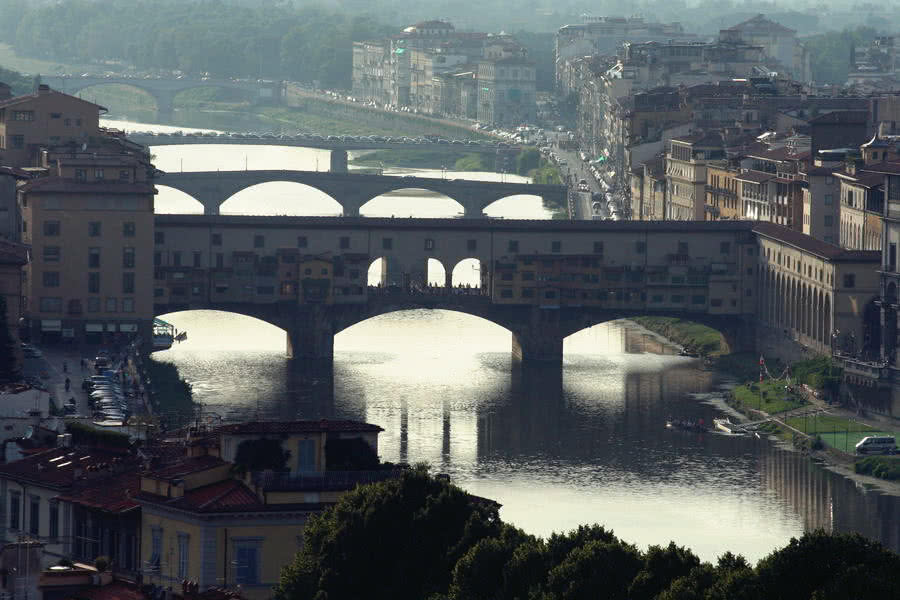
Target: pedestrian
<point>68,384</point>
<point>82,364</point>
<point>65,367</point>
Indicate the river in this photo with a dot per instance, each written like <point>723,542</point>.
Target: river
<point>556,449</point>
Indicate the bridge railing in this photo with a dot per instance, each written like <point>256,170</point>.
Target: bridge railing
<point>426,291</point>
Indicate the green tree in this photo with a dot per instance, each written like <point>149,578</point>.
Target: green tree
<point>596,565</point>
<point>9,364</point>
<point>260,455</point>
<point>528,159</point>
<point>406,534</point>
<point>661,567</point>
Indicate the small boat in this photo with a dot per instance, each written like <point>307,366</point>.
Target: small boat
<point>688,352</point>
<point>727,426</point>
<point>681,425</point>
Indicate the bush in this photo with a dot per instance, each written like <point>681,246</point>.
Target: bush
<point>101,563</point>
<point>882,467</point>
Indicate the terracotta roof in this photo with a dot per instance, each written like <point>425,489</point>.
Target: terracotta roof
<point>114,495</point>
<point>299,427</point>
<point>57,468</point>
<point>760,22</point>
<point>892,168</point>
<point>186,467</point>
<point>27,97</point>
<point>813,246</point>
<point>842,116</point>
<point>229,495</point>
<point>869,180</point>
<point>71,186</point>
<point>779,154</point>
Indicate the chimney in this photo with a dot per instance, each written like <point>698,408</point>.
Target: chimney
<point>43,89</point>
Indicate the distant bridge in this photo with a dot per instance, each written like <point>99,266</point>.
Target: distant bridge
<point>213,188</point>
<point>164,91</point>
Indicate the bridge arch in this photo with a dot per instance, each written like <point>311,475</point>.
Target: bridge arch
<point>468,272</point>
<point>518,206</point>
<point>142,99</point>
<point>172,201</point>
<point>243,325</point>
<point>411,202</point>
<point>437,273</point>
<point>281,198</point>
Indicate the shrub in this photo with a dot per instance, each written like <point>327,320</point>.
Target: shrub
<point>101,563</point>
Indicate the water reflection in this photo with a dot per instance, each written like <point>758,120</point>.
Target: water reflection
<point>555,448</point>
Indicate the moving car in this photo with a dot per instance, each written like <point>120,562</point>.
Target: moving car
<point>877,444</point>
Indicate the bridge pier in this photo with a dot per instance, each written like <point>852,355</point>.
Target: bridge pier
<point>338,161</point>
<point>311,336</point>
<point>540,345</point>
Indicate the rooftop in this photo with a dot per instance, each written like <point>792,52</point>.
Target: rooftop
<point>755,176</point>
<point>113,495</point>
<point>60,468</point>
<point>811,245</point>
<point>186,466</point>
<point>72,186</point>
<point>760,22</point>
<point>29,97</point>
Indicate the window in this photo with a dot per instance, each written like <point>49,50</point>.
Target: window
<point>640,247</point>
<point>158,292</point>
<point>176,259</point>
<point>829,220</point>
<point>550,294</point>
<point>14,499</point>
<point>80,175</point>
<point>124,175</point>
<point>128,283</point>
<point>198,259</point>
<point>51,278</point>
<point>259,241</point>
<point>23,115</point>
<point>528,292</point>
<point>51,253</point>
<point>93,305</point>
<point>677,298</point>
<point>93,258</point>
<point>892,256</point>
<point>302,242</point>
<point>507,276</point>
<point>429,244</point>
<point>159,237</point>
<point>513,246</point>
<point>94,228</point>
<point>748,292</point>
<point>387,243</point>
<point>34,522</point>
<point>849,280</point>
<point>828,199</point>
<point>716,302</point>
<point>127,305</point>
<point>17,141</point>
<point>555,246</point>
<point>527,275</point>
<point>682,247</point>
<point>698,299</point>
<point>220,260</point>
<point>55,116</point>
<point>306,455</point>
<point>183,555</point>
<point>54,519</point>
<point>155,547</point>
<point>656,298</point>
<point>157,260</point>
<point>725,248</point>
<point>128,257</point>
<point>506,293</point>
<point>598,248</point>
<point>216,239</point>
<point>265,290</point>
<point>51,228</point>
<point>471,244</point>
<point>128,229</point>
<point>98,174</point>
<point>246,557</point>
<point>112,305</point>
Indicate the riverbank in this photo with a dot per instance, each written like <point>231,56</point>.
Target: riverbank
<point>693,336</point>
<point>171,397</point>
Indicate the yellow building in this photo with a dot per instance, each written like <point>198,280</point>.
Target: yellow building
<point>90,224</point>
<point>201,522</point>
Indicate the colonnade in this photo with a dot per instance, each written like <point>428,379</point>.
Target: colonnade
<point>789,302</point>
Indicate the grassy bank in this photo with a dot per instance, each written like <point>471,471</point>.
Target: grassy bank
<point>172,398</point>
<point>700,338</point>
<point>882,467</point>
<point>437,158</point>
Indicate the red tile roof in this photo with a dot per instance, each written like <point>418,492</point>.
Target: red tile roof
<point>186,467</point>
<point>813,246</point>
<point>26,97</point>
<point>229,495</point>
<point>299,427</point>
<point>755,176</point>
<point>60,468</point>
<point>114,495</point>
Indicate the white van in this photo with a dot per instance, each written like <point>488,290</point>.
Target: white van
<point>876,444</point>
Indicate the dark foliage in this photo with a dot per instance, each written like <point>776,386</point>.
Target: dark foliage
<point>261,454</point>
<point>9,366</point>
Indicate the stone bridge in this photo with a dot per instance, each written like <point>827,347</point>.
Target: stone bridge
<point>213,188</point>
<point>164,91</point>
<point>541,280</point>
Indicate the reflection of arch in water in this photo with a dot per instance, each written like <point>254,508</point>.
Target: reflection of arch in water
<point>170,201</point>
<point>469,272</point>
<point>411,202</point>
<point>286,198</point>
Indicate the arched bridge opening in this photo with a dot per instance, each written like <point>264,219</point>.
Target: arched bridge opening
<point>404,202</point>
<point>204,95</point>
<point>228,328</point>
<point>121,98</point>
<point>522,206</point>
<point>281,198</point>
<point>171,201</point>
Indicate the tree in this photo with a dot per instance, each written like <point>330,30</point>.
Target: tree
<point>260,455</point>
<point>594,566</point>
<point>661,567</point>
<point>9,363</point>
<point>405,533</point>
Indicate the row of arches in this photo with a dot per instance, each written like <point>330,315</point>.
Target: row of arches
<point>467,273</point>
<point>854,235</point>
<point>790,303</point>
<point>282,198</point>
<point>109,93</point>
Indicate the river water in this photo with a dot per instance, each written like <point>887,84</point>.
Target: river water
<point>556,449</point>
